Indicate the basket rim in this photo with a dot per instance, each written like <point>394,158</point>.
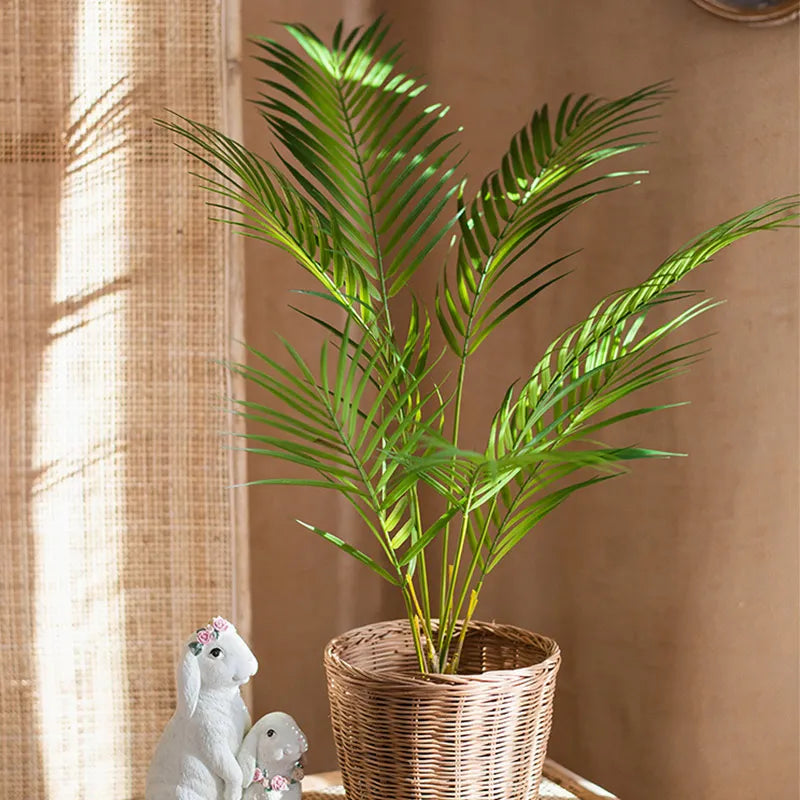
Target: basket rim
<point>333,658</point>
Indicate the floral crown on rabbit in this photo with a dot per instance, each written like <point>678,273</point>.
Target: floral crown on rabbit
<point>208,634</point>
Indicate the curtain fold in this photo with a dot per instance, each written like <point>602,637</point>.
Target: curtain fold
<point>116,520</point>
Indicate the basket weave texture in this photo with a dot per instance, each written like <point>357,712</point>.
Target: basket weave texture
<point>478,735</point>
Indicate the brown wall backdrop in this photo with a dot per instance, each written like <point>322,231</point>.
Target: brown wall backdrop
<point>674,591</point>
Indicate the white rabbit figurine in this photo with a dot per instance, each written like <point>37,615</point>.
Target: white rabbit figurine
<point>271,758</point>
<point>195,758</point>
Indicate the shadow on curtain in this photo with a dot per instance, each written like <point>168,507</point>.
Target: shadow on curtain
<point>116,520</point>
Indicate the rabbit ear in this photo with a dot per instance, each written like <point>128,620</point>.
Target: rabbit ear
<point>303,741</point>
<point>188,684</point>
<point>247,754</point>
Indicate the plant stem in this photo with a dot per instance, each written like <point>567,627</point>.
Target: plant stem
<point>426,628</point>
<point>476,558</point>
<point>412,619</point>
<point>423,568</point>
<point>473,602</point>
<point>477,590</point>
<point>474,305</point>
<point>446,538</point>
<point>448,620</point>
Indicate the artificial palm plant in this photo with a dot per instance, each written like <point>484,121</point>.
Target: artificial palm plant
<point>363,190</point>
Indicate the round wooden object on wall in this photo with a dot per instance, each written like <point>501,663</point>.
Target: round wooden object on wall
<point>754,12</point>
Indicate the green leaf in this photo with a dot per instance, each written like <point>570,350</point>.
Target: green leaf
<point>352,551</point>
<point>403,534</point>
<point>535,514</point>
<point>427,537</point>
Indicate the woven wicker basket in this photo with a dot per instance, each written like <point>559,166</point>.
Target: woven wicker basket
<point>479,735</point>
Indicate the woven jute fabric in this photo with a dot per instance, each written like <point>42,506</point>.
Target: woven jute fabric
<point>115,516</point>
<point>478,735</point>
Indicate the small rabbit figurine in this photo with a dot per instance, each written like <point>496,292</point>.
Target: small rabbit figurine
<point>271,758</point>
<point>195,759</point>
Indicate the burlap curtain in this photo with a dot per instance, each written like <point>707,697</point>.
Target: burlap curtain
<point>115,517</point>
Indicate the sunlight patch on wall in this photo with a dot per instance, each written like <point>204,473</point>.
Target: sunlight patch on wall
<point>77,483</point>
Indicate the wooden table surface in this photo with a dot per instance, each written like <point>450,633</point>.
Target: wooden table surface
<point>558,784</point>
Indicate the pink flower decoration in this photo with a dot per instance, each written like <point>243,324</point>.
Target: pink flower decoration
<point>278,783</point>
<point>257,776</point>
<point>204,636</point>
<point>220,624</point>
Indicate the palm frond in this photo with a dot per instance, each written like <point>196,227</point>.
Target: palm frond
<point>359,138</point>
<point>531,192</point>
<point>262,203</point>
<point>593,366</point>
<point>351,424</point>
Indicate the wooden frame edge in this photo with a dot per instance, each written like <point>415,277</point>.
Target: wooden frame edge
<point>232,125</point>
<point>327,783</point>
<point>778,16</point>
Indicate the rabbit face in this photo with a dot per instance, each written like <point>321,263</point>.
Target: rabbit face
<point>275,744</point>
<point>226,662</point>
<point>281,740</point>
<point>215,658</point>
